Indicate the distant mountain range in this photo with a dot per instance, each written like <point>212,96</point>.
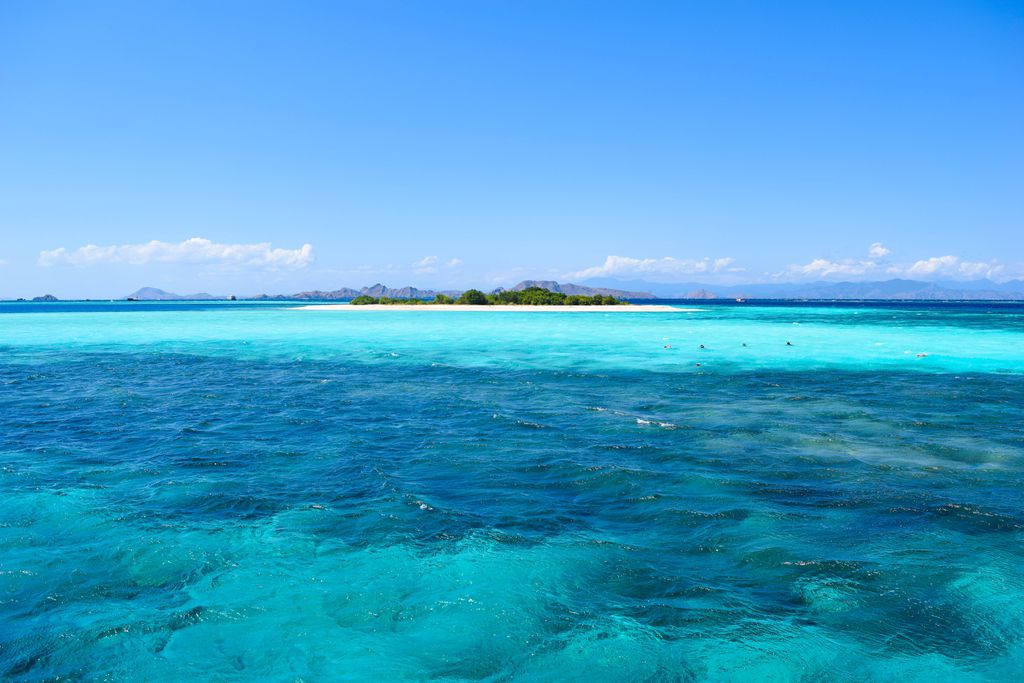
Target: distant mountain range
<point>581,290</point>
<point>975,290</point>
<point>154,294</point>
<point>379,290</point>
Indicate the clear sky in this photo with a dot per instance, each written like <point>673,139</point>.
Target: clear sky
<point>201,146</point>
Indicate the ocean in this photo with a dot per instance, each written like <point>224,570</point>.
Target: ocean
<point>241,491</point>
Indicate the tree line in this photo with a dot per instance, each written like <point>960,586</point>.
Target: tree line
<point>531,296</point>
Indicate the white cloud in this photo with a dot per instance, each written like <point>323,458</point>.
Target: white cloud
<point>955,267</point>
<point>948,266</point>
<point>934,265</point>
<point>821,267</point>
<point>626,265</point>
<point>980,269</point>
<point>426,262</point>
<point>429,265</point>
<point>194,250</point>
<point>878,250</point>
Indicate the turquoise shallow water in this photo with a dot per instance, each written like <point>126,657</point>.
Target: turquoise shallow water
<point>244,492</point>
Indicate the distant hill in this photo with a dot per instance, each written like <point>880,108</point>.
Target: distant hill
<point>154,294</point>
<point>377,290</point>
<point>975,290</point>
<point>583,290</point>
<point>639,289</point>
<point>45,297</point>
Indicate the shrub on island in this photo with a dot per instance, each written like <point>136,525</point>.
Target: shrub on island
<point>538,296</point>
<point>364,300</point>
<point>473,297</point>
<point>531,296</point>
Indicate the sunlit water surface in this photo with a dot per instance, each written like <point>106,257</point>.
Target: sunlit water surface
<point>238,492</point>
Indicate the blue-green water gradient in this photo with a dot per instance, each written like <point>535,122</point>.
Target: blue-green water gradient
<point>239,492</point>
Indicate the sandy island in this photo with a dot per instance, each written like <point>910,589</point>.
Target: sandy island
<point>634,308</point>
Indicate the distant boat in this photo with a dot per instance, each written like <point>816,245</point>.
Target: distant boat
<point>740,300</point>
<point>232,298</point>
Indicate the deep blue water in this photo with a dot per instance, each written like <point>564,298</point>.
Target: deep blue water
<point>248,492</point>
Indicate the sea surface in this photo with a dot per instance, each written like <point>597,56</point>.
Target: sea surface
<point>240,492</point>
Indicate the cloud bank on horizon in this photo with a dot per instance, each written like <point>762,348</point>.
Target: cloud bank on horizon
<point>264,257</point>
<point>617,266</point>
<point>194,250</point>
<point>429,265</point>
<point>875,265</point>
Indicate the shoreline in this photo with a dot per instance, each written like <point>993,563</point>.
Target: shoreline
<point>633,308</point>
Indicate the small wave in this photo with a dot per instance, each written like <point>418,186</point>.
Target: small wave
<point>664,425</point>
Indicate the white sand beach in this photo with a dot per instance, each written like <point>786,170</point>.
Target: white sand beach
<point>634,308</point>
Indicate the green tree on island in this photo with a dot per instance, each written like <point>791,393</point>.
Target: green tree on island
<point>531,296</point>
<point>473,297</point>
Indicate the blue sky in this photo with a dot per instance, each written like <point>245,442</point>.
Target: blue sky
<point>250,146</point>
